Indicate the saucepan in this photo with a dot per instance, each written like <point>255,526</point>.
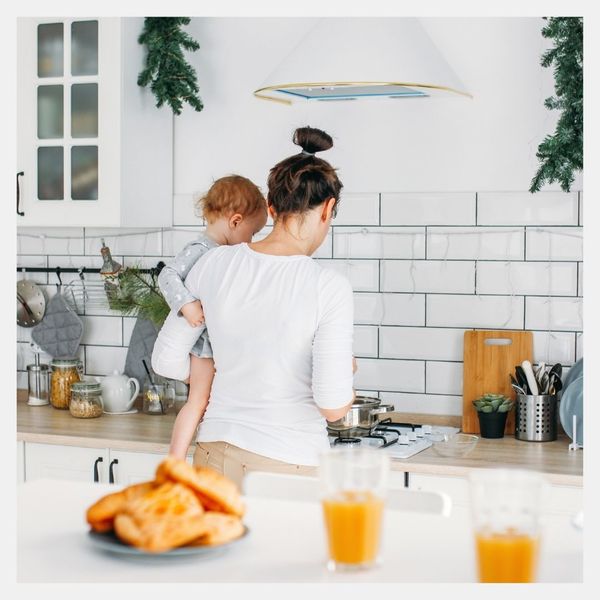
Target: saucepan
<point>361,418</point>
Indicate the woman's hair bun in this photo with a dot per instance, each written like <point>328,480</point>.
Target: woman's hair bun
<point>312,140</point>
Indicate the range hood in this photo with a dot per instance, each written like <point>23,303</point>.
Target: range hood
<point>356,58</point>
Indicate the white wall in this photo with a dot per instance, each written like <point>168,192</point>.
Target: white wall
<point>451,144</point>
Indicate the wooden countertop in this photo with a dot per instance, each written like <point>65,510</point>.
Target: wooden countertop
<point>148,433</point>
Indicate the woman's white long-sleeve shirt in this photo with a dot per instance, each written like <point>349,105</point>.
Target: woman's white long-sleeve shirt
<point>281,331</point>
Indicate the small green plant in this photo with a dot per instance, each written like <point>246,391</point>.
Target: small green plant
<point>493,403</point>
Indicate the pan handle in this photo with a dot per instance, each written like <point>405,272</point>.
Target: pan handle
<point>19,212</point>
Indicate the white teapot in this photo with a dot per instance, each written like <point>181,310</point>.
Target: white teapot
<point>117,393</point>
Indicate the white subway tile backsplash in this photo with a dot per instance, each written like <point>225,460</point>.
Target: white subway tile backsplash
<point>497,312</point>
<point>390,375</point>
<point>432,276</point>
<point>358,209</point>
<point>444,378</point>
<point>362,274</point>
<point>325,250</point>
<point>43,240</point>
<point>22,383</point>
<point>556,243</point>
<point>579,347</point>
<point>553,347</point>
<point>426,404</point>
<point>423,343</point>
<point>102,331</point>
<point>523,208</point>
<point>475,243</point>
<point>146,242</point>
<point>103,360</point>
<point>379,242</point>
<point>32,261</point>
<point>365,341</point>
<point>23,334</point>
<point>554,314</point>
<point>76,262</point>
<point>389,309</point>
<point>174,240</point>
<point>580,279</point>
<point>527,278</point>
<point>425,208</point>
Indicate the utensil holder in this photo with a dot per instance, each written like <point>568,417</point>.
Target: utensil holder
<point>536,418</point>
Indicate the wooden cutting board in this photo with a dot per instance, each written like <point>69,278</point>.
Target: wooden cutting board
<point>489,358</point>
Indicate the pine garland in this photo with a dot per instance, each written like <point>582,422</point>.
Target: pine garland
<point>171,79</point>
<point>561,154</point>
<point>137,294</point>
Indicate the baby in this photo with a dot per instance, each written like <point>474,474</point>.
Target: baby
<point>234,210</point>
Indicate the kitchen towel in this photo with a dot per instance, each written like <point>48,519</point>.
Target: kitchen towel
<point>142,341</point>
<point>59,334</point>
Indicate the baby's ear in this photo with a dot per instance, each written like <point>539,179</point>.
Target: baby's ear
<point>235,220</point>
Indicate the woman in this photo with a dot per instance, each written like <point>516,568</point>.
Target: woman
<point>281,329</point>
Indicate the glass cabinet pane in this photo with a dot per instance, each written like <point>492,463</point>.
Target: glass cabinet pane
<point>50,50</point>
<point>84,48</point>
<point>50,174</point>
<point>84,110</point>
<point>50,112</point>
<point>84,172</point>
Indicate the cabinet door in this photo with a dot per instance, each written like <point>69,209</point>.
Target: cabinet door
<point>67,69</point>
<point>126,468</point>
<point>20,462</point>
<point>455,487</point>
<point>72,463</point>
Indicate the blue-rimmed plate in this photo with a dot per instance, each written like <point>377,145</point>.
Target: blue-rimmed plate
<point>111,543</point>
<point>571,405</point>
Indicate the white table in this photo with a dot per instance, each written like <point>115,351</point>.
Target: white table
<point>286,544</point>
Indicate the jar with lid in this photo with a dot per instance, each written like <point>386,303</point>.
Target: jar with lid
<point>86,400</point>
<point>65,372</point>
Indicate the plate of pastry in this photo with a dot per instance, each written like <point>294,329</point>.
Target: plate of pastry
<point>185,510</point>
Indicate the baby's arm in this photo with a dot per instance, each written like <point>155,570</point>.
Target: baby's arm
<point>171,283</point>
<point>201,376</point>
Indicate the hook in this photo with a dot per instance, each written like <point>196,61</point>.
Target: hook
<point>80,271</point>
<point>59,284</point>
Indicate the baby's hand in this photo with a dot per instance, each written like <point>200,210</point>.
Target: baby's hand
<point>193,313</point>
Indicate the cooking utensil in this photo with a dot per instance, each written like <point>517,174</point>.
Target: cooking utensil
<point>518,388</point>
<point>361,418</point>
<point>521,378</point>
<point>531,382</point>
<point>31,303</point>
<point>155,395</point>
<point>544,383</point>
<point>571,405</point>
<point>557,384</point>
<point>539,372</point>
<point>489,358</point>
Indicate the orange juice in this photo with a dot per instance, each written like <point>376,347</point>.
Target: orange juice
<point>508,557</point>
<point>353,522</point>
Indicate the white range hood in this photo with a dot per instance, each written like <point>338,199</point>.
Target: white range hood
<point>357,58</point>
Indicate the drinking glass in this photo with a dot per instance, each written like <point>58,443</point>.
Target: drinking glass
<point>505,508</point>
<point>155,399</point>
<point>353,490</point>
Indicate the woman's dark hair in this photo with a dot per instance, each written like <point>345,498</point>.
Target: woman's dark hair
<point>303,180</point>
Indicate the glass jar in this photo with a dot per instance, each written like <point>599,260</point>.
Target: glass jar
<point>65,372</point>
<point>37,384</point>
<point>86,400</point>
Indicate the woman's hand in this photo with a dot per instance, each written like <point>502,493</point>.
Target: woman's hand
<point>193,313</point>
<point>354,365</point>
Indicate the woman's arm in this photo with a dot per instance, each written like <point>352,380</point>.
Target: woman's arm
<point>332,380</point>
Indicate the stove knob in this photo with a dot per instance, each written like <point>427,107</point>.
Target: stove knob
<point>412,436</point>
<point>403,439</point>
<point>427,429</point>
<point>418,432</point>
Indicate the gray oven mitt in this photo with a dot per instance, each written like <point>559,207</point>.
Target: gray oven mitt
<point>59,333</point>
<point>141,345</point>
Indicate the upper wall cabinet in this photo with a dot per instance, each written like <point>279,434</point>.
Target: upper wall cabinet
<point>92,147</point>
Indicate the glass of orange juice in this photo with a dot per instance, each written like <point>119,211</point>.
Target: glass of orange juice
<point>353,484</point>
<point>506,508</point>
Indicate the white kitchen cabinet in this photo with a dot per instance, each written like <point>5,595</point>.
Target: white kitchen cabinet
<point>93,148</point>
<point>20,462</point>
<point>75,463</point>
<point>556,499</point>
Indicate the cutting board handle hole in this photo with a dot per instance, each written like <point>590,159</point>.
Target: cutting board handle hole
<point>498,342</point>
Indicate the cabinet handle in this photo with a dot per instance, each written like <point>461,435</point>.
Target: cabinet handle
<point>96,477</point>
<point>406,479</point>
<point>111,474</point>
<point>19,212</point>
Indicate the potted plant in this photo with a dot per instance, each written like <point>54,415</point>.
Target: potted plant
<point>492,410</point>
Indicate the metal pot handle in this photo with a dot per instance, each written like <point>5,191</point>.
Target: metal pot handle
<point>382,408</point>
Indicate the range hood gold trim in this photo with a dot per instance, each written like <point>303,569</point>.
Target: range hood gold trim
<point>260,92</point>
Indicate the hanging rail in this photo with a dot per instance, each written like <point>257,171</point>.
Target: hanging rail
<point>83,270</point>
